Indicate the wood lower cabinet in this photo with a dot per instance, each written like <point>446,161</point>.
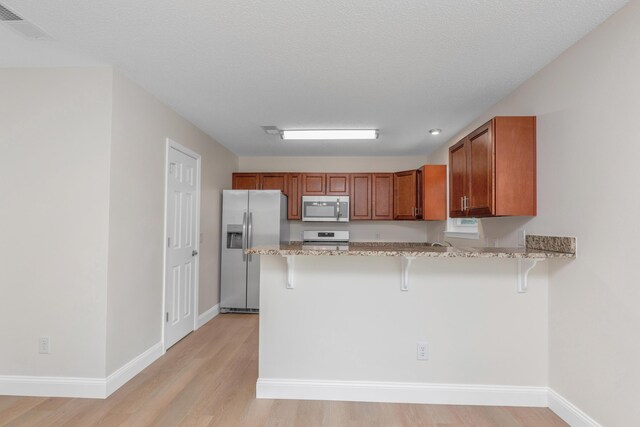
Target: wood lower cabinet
<point>294,182</point>
<point>360,200</point>
<point>337,184</point>
<point>382,196</point>
<point>313,184</point>
<point>246,181</point>
<point>493,170</point>
<point>274,181</point>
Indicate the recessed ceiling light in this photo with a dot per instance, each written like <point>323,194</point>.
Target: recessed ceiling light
<point>435,131</point>
<point>324,134</point>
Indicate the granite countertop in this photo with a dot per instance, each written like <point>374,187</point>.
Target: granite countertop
<point>410,250</point>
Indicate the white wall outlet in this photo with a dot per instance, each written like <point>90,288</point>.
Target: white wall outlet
<point>44,345</point>
<point>422,350</point>
<point>377,236</point>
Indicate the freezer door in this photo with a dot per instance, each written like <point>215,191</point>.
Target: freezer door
<point>233,277</point>
<point>263,230</point>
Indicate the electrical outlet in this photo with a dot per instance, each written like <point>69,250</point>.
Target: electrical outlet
<point>422,350</point>
<point>377,236</point>
<point>44,345</point>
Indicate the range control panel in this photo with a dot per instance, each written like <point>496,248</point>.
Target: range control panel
<point>325,236</point>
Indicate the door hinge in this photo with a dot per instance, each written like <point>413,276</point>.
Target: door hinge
<point>167,316</point>
<point>168,242</point>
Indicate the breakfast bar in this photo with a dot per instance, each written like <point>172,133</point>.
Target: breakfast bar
<point>345,323</point>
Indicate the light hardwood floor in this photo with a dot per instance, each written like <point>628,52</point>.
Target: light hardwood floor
<point>208,379</point>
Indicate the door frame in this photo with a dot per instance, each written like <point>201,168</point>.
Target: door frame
<point>171,144</point>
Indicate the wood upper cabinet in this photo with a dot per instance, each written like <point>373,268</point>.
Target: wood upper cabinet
<point>337,184</point>
<point>313,184</point>
<point>360,200</point>
<point>457,178</point>
<point>434,192</point>
<point>493,170</point>
<point>294,194</point>
<point>480,200</point>
<point>405,195</point>
<point>274,181</point>
<point>245,181</point>
<point>382,196</point>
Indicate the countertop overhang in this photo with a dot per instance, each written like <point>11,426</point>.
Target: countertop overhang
<point>410,250</point>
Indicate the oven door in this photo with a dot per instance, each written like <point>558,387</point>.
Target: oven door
<point>325,208</point>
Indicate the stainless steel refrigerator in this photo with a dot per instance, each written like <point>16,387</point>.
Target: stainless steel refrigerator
<point>249,218</point>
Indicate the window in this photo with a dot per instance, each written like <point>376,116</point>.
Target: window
<point>462,228</point>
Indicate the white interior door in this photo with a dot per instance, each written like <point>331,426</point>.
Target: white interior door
<point>182,245</point>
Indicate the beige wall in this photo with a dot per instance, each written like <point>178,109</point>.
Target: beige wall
<point>55,133</point>
<point>354,324</point>
<point>83,214</point>
<point>361,231</point>
<point>588,103</point>
<point>141,125</point>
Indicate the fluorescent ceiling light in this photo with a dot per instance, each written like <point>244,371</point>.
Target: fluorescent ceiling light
<point>330,134</point>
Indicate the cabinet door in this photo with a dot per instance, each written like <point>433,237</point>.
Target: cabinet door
<point>434,192</point>
<point>382,196</point>
<point>337,184</point>
<point>274,181</point>
<point>405,195</point>
<point>294,195</point>
<point>457,179</point>
<point>360,200</point>
<point>245,181</point>
<point>313,184</point>
<point>480,200</point>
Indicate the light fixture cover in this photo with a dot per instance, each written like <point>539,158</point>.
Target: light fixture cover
<point>324,134</point>
<point>435,131</point>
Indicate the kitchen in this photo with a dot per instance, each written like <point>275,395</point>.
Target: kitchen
<point>470,326</point>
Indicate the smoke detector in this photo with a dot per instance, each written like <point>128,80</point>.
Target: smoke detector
<point>25,28</point>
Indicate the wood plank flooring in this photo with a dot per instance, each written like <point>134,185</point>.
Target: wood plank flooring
<point>208,379</point>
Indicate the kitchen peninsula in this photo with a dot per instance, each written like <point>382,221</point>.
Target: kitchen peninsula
<point>345,324</point>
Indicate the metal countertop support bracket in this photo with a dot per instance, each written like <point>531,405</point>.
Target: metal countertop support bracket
<point>524,267</point>
<point>406,263</point>
<point>291,260</point>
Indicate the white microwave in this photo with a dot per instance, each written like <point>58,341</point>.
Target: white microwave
<point>325,208</point>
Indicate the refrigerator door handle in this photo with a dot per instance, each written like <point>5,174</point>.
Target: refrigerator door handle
<point>250,234</point>
<point>244,236</point>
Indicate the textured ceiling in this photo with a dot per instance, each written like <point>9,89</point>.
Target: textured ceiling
<point>231,66</point>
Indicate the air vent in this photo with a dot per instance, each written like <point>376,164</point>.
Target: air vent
<point>25,28</point>
<point>7,15</point>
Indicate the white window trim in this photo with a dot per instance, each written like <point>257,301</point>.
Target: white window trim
<point>460,231</point>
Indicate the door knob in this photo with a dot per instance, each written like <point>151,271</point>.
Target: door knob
<point>194,253</point>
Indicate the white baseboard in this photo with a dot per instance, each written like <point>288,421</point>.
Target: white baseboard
<point>95,388</point>
<point>132,368</point>
<point>362,391</point>
<point>570,413</point>
<point>15,385</point>
<point>208,315</point>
